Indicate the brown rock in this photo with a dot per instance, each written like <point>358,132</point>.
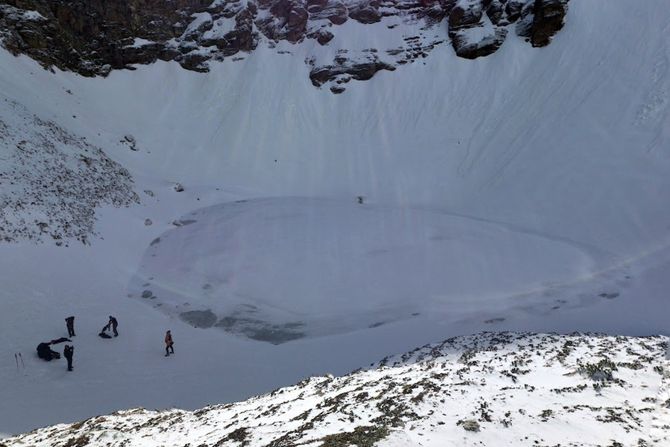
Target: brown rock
<point>360,71</point>
<point>322,36</point>
<point>194,62</point>
<point>483,47</point>
<point>465,16</point>
<point>513,9</point>
<point>549,16</point>
<point>366,13</point>
<point>335,12</point>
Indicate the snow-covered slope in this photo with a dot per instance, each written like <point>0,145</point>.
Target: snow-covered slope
<point>557,157</point>
<point>567,140</point>
<point>52,181</point>
<point>505,389</point>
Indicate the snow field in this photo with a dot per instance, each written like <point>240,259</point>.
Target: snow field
<point>562,150</point>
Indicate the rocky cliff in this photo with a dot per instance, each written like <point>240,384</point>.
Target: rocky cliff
<point>93,37</point>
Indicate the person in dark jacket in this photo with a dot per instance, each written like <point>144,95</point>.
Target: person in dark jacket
<point>168,344</point>
<point>69,321</point>
<point>113,324</point>
<point>68,352</point>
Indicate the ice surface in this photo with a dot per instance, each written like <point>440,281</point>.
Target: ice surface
<point>310,267</point>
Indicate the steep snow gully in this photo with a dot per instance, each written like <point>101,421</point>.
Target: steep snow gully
<point>281,231</point>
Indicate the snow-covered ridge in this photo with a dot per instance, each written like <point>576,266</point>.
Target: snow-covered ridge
<point>397,32</point>
<point>516,389</point>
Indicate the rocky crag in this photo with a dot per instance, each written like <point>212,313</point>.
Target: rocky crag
<point>93,37</point>
<point>489,389</point>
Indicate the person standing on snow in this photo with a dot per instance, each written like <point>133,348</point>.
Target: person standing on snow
<point>113,324</point>
<point>68,352</point>
<point>168,343</point>
<point>69,321</point>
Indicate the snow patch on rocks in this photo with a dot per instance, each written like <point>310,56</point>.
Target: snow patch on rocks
<point>52,181</point>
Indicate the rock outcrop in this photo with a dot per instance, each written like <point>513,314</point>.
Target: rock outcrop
<point>548,19</point>
<point>344,70</point>
<point>52,181</point>
<point>93,37</point>
<point>478,28</point>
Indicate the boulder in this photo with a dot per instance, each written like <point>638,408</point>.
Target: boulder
<point>322,36</point>
<point>482,44</point>
<point>466,14</point>
<point>366,13</point>
<point>548,19</point>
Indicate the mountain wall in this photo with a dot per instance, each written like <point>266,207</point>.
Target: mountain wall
<point>94,37</point>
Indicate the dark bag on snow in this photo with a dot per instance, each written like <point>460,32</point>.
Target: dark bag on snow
<point>45,353</point>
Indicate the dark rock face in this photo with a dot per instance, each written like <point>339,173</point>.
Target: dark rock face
<point>321,36</point>
<point>478,28</point>
<point>366,13</point>
<point>481,47</point>
<point>345,71</point>
<point>549,18</point>
<point>88,35</point>
<point>333,11</point>
<point>465,15</point>
<point>287,20</point>
<point>473,30</point>
<point>513,9</point>
<point>93,37</point>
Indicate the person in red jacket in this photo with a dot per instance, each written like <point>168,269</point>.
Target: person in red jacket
<point>168,343</point>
